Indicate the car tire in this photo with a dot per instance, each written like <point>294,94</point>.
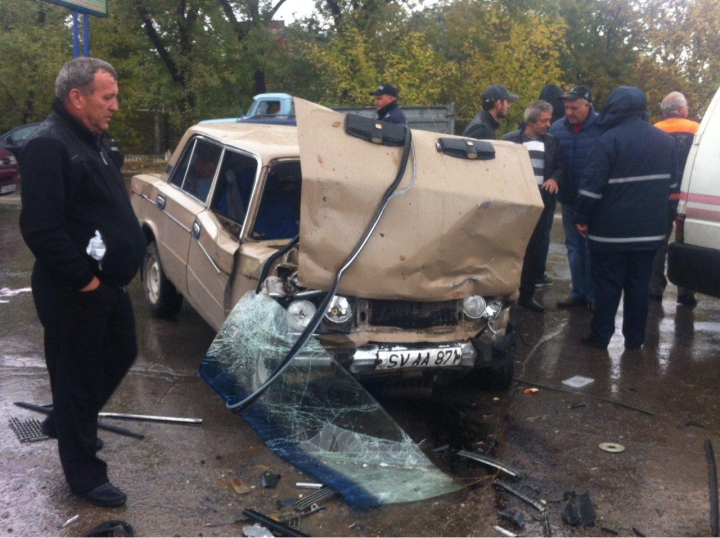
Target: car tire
<point>161,296</point>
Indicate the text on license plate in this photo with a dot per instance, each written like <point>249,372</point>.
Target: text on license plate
<point>419,358</point>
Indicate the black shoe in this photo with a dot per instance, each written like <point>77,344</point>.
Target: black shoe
<point>105,495</point>
<point>531,304</point>
<point>687,300</point>
<point>544,281</point>
<point>48,428</point>
<point>590,341</point>
<point>571,302</point>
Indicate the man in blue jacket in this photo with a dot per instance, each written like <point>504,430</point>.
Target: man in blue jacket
<point>577,132</point>
<point>388,109</point>
<point>622,208</point>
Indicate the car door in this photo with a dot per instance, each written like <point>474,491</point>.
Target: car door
<point>181,200</point>
<point>216,237</point>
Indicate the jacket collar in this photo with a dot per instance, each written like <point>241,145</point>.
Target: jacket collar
<point>587,123</point>
<point>489,118</point>
<point>80,130</point>
<point>384,111</point>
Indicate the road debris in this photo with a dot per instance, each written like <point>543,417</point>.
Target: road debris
<point>70,521</point>
<point>269,480</point>
<point>539,506</point>
<point>586,395</point>
<point>114,527</point>
<point>277,528</point>
<point>504,532</point>
<point>578,381</point>
<point>442,448</point>
<point>614,448</point>
<point>240,487</point>
<point>293,519</point>
<point>609,531</point>
<point>578,405</point>
<point>489,461</point>
<point>532,390</point>
<point>308,485</point>
<point>27,431</point>
<point>313,498</point>
<point>578,510</point>
<point>514,516</point>
<point>152,418</point>
<point>638,532</point>
<point>257,531</point>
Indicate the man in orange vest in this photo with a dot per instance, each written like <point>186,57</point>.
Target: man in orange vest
<point>674,108</point>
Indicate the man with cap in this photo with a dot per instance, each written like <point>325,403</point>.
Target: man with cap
<point>577,133</point>
<point>496,101</point>
<point>387,106</point>
<point>674,109</point>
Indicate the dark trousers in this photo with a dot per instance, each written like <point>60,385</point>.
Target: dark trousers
<point>536,252</point>
<point>615,273</point>
<point>549,217</point>
<point>90,345</point>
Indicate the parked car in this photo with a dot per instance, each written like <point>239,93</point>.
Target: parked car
<point>8,172</point>
<point>14,140</point>
<point>430,292</point>
<point>694,257</point>
<point>265,106</point>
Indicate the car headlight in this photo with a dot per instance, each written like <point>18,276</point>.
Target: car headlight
<point>339,310</point>
<point>301,312</point>
<point>474,306</point>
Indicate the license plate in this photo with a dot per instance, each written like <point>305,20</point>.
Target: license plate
<point>7,188</point>
<point>419,358</point>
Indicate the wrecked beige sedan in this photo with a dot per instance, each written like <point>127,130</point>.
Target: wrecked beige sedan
<point>428,292</point>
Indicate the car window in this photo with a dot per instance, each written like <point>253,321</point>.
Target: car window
<point>279,213</point>
<point>234,187</point>
<point>197,168</point>
<point>269,108</point>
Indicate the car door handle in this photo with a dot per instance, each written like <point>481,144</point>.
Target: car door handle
<point>196,230</point>
<point>160,201</point>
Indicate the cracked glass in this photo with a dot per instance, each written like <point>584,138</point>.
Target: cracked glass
<point>316,415</point>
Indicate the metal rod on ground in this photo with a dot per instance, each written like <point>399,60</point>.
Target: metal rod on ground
<point>712,479</point>
<point>482,458</point>
<point>151,418</point>
<point>106,427</point>
<point>608,400</point>
<point>274,526</point>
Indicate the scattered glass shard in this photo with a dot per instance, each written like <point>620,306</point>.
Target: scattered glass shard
<point>316,415</point>
<point>578,381</point>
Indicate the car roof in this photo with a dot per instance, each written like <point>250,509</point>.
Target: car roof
<point>267,141</point>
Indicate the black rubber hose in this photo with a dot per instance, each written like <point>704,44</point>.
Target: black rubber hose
<point>317,318</point>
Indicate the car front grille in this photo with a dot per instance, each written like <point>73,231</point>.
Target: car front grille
<point>411,315</point>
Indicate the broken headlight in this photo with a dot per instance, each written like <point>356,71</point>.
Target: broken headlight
<point>301,312</point>
<point>339,310</point>
<point>474,306</point>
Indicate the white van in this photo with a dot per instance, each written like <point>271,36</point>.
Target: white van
<point>694,257</point>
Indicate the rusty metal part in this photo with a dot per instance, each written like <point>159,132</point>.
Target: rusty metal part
<point>489,461</point>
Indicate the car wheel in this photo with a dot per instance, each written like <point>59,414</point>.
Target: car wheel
<point>160,294</point>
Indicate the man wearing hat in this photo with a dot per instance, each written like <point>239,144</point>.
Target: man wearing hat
<point>387,106</point>
<point>496,101</point>
<point>577,133</point>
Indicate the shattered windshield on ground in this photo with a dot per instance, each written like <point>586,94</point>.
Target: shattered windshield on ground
<point>316,415</point>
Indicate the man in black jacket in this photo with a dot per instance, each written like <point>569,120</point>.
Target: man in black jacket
<point>549,168</point>
<point>78,222</point>
<point>386,104</point>
<point>496,101</point>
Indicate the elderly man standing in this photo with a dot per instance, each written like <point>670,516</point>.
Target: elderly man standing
<point>548,166</point>
<point>674,109</point>
<point>622,207</point>
<point>77,220</point>
<point>496,101</point>
<point>388,109</point>
<point>577,133</point>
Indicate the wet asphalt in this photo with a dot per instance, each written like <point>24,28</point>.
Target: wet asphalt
<point>659,403</point>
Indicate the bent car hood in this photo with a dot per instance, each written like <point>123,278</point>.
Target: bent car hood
<point>461,228</point>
